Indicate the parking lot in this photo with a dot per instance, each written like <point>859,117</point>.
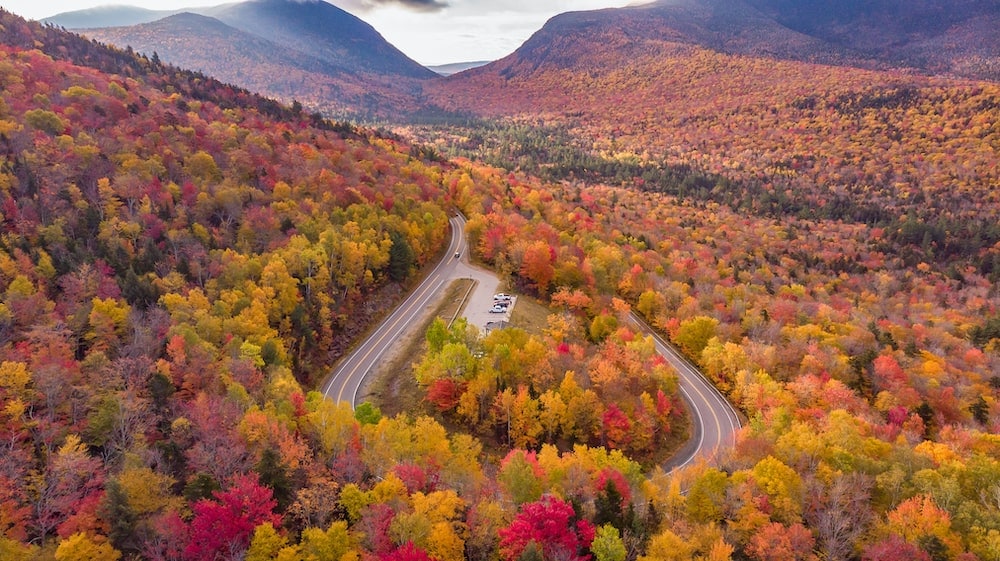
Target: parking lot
<point>481,310</point>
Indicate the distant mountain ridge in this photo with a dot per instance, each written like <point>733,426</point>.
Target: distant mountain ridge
<point>108,16</point>
<point>939,36</point>
<point>226,53</point>
<point>321,30</point>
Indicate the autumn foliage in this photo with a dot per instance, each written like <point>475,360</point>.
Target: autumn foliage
<point>176,270</point>
<point>549,526</point>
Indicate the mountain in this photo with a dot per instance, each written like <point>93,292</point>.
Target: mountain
<point>722,25</point>
<point>941,37</point>
<point>653,92</point>
<point>310,51</point>
<point>243,53</point>
<point>321,30</point>
<point>238,57</point>
<point>106,16</point>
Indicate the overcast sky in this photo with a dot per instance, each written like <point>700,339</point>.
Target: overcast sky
<point>429,31</point>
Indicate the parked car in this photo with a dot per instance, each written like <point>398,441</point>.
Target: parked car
<point>501,297</point>
<point>498,310</point>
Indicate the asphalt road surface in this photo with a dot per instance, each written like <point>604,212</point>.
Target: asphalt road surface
<point>714,421</point>
<point>346,380</point>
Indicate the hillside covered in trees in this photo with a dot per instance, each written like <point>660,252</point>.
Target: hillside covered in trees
<point>181,261</point>
<point>913,154</point>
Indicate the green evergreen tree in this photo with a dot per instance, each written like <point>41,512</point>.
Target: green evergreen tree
<point>121,518</point>
<point>401,257</point>
<point>274,475</point>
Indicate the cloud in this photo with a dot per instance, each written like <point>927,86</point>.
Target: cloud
<point>418,5</point>
<point>461,30</point>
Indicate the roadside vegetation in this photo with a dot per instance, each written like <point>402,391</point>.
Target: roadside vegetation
<point>394,388</point>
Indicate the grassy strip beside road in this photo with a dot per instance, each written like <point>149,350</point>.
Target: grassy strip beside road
<point>529,315</point>
<point>394,389</point>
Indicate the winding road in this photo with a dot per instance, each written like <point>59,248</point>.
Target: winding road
<point>346,380</point>
<point>714,421</point>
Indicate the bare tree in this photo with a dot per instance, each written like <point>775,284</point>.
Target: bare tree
<point>840,513</point>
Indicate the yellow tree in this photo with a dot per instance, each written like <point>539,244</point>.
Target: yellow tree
<point>335,543</point>
<point>82,547</point>
<point>783,487</point>
<point>265,543</point>
<point>693,334</point>
<point>107,320</point>
<point>918,521</point>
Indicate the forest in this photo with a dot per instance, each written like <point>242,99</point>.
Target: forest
<point>912,154</point>
<point>181,262</point>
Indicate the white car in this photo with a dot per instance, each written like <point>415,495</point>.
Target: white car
<point>498,309</point>
<point>501,297</point>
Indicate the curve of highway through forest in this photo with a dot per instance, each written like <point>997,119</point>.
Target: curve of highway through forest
<point>714,421</point>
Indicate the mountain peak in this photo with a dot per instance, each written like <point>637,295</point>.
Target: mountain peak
<point>321,30</point>
<point>306,50</point>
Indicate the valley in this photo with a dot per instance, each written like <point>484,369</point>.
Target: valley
<point>798,200</point>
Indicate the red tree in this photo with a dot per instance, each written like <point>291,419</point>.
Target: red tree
<point>14,514</point>
<point>894,548</point>
<point>407,552</point>
<point>616,427</point>
<point>550,524</point>
<point>777,542</point>
<point>444,393</point>
<point>224,526</point>
<point>615,477</point>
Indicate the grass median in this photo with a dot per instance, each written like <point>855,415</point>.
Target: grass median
<point>394,388</point>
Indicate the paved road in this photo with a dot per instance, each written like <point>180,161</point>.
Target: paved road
<point>346,380</point>
<point>714,422</point>
<point>713,419</point>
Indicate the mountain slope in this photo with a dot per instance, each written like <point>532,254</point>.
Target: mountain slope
<point>956,36</point>
<point>238,57</point>
<point>240,54</point>
<point>937,37</point>
<point>777,136</point>
<point>309,51</point>
<point>723,25</point>
<point>323,31</point>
